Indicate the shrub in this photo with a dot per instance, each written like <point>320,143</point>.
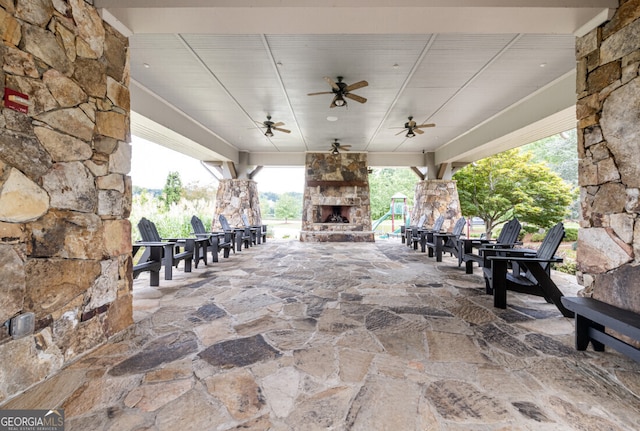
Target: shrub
<point>568,267</point>
<point>570,234</point>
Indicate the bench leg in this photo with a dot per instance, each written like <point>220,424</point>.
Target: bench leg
<point>168,262</point>
<point>154,274</point>
<point>583,325</point>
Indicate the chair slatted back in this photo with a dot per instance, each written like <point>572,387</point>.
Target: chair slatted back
<point>437,225</point>
<point>197,225</point>
<point>548,248</point>
<point>245,220</point>
<point>148,231</point>
<point>459,227</point>
<point>224,223</point>
<point>510,232</point>
<point>551,242</point>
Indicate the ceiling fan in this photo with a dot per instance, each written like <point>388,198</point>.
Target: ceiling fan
<point>271,126</point>
<point>336,147</point>
<point>342,90</point>
<point>412,128</point>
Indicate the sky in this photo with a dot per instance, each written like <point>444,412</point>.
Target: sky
<point>151,163</point>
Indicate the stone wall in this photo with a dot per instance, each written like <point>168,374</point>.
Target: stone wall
<point>608,111</point>
<point>237,197</point>
<point>336,181</point>
<point>436,198</point>
<point>65,241</point>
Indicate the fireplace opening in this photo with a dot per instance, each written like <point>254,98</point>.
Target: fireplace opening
<point>335,214</point>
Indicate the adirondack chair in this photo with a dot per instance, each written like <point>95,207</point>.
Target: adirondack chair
<point>530,271</point>
<point>426,235</point>
<point>507,239</point>
<point>242,235</point>
<point>447,242</point>
<point>151,260</point>
<point>255,230</point>
<point>217,240</point>
<point>174,249</point>
<point>409,229</point>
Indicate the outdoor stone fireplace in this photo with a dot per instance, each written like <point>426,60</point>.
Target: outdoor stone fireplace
<point>336,199</point>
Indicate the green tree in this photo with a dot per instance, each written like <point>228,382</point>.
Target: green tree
<point>560,153</point>
<point>172,191</point>
<point>288,207</point>
<point>509,185</point>
<point>384,183</point>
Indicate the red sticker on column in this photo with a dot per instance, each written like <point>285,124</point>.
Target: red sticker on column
<point>16,101</point>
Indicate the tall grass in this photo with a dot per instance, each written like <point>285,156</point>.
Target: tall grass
<point>174,223</point>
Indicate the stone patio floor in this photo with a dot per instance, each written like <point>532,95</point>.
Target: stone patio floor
<point>341,336</point>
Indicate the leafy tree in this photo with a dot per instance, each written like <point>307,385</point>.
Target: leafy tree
<point>288,207</point>
<point>384,183</point>
<point>561,155</point>
<point>509,185</point>
<point>172,191</point>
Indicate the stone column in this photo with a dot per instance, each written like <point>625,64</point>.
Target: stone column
<point>237,197</point>
<point>65,197</point>
<point>435,198</point>
<point>608,112</point>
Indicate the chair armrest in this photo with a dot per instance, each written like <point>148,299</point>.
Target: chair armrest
<point>525,259</point>
<point>154,243</point>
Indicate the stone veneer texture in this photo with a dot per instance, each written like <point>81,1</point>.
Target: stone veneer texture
<point>237,197</point>
<point>436,198</point>
<point>336,180</point>
<point>608,112</point>
<point>65,197</point>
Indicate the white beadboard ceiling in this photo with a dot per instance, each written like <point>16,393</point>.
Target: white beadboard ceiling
<point>206,84</point>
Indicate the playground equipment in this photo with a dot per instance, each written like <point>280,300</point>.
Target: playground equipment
<point>398,207</point>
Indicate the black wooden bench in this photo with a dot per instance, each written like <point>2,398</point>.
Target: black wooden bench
<point>593,317</point>
<point>217,240</point>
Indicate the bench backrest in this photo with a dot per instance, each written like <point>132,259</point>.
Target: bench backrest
<point>437,225</point>
<point>197,225</point>
<point>148,231</point>
<point>510,232</point>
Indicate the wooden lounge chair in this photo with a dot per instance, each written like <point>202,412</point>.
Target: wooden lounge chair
<point>508,238</point>
<point>151,260</point>
<point>531,271</point>
<point>174,249</point>
<point>256,231</point>
<point>409,229</point>
<point>426,235</point>
<point>242,235</point>
<point>217,240</point>
<point>447,242</point>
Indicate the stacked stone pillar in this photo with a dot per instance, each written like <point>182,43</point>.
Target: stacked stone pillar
<point>436,198</point>
<point>237,197</point>
<point>65,241</point>
<point>608,112</point>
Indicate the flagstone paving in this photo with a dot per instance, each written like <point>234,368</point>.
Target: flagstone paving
<point>341,336</point>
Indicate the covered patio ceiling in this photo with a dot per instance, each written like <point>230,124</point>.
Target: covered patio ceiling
<point>491,75</point>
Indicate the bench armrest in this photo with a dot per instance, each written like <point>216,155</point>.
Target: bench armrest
<point>525,259</point>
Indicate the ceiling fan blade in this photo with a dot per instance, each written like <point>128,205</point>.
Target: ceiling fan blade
<point>278,124</point>
<point>355,97</point>
<point>356,86</point>
<point>281,130</point>
<point>426,125</point>
<point>321,92</point>
<point>401,131</point>
<point>343,148</point>
<point>412,124</point>
<point>418,131</point>
<point>332,83</point>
